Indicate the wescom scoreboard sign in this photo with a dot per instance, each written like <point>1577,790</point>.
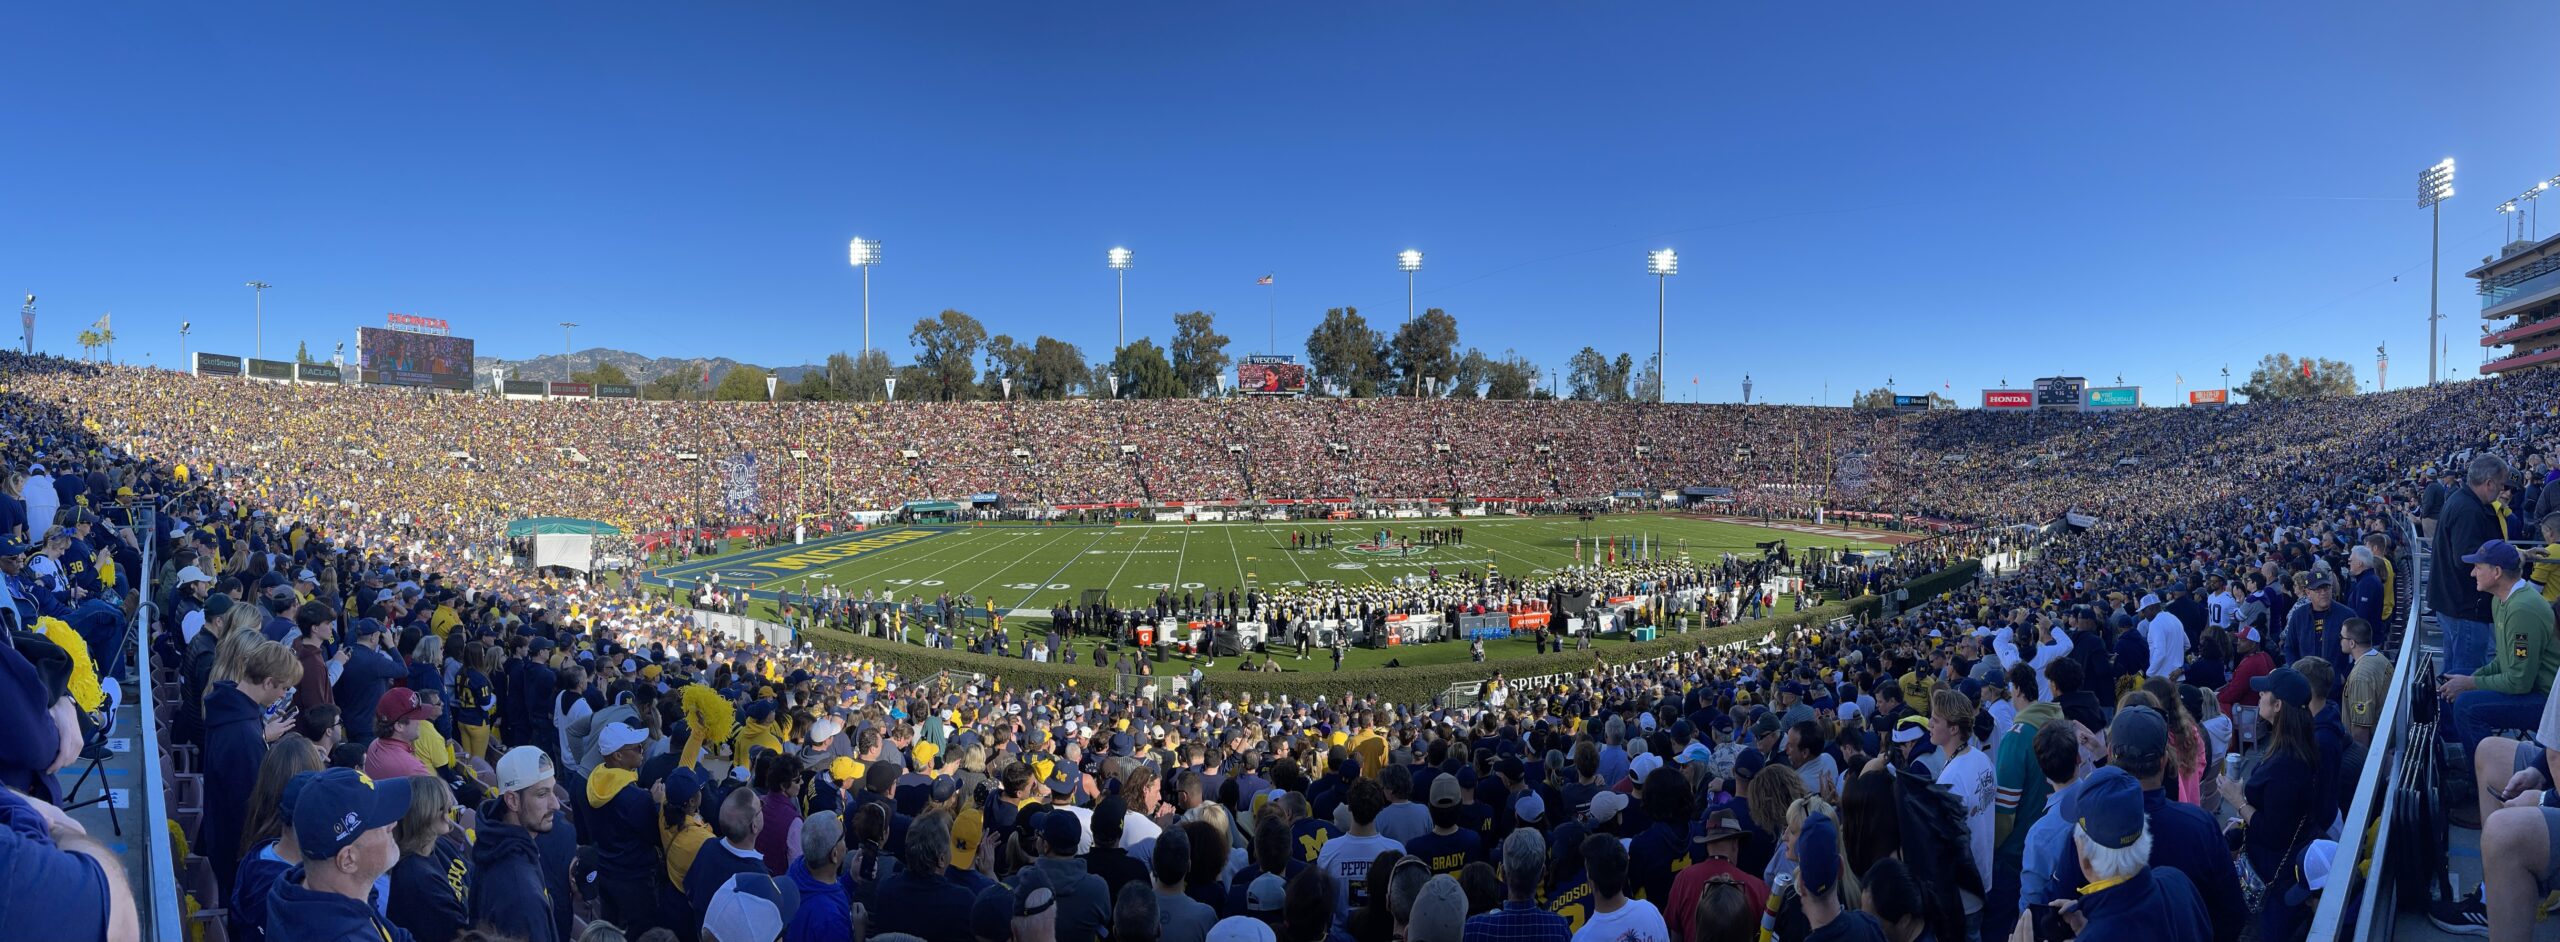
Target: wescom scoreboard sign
<point>2113,398</point>
<point>2008,399</point>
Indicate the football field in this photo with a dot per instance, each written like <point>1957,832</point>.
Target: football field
<point>1030,567</point>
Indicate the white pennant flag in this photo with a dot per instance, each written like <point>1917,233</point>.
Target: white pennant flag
<point>770,382</point>
<point>892,384</point>
<point>1008,387</point>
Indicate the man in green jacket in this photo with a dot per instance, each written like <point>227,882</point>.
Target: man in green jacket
<point>2021,798</point>
<point>2508,693</point>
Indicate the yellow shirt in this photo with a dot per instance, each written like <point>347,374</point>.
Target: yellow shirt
<point>1372,750</point>
<point>681,845</point>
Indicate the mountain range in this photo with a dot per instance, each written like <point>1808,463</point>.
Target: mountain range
<point>641,368</point>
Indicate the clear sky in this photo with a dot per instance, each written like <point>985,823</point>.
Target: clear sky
<point>1940,193</point>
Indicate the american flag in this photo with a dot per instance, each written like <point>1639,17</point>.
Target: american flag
<point>1264,280</point>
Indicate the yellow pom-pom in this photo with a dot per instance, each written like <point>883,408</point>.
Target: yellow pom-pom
<point>84,672</point>
<point>712,717</point>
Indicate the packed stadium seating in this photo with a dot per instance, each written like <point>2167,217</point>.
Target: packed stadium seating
<point>391,499</point>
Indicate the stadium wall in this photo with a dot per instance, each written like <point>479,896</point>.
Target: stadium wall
<point>1400,684</point>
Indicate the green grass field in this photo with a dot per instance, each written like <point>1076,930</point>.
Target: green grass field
<point>1026,568</point>
<point>1032,567</point>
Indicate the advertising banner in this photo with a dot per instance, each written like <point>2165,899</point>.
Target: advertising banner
<point>1528,620</point>
<point>270,369</point>
<point>2008,399</point>
<point>575,390</point>
<point>524,387</point>
<point>617,391</point>
<point>405,358</point>
<point>1903,403</point>
<point>2209,397</point>
<point>2112,398</point>
<point>217,364</point>
<point>318,373</point>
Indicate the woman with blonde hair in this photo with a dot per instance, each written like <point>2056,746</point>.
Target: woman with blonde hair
<point>431,885</point>
<point>1767,797</point>
<point>237,733</point>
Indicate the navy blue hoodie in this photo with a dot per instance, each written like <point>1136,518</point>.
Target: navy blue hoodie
<point>430,895</point>
<point>234,745</point>
<point>360,686</point>
<point>508,892</point>
<point>306,915</point>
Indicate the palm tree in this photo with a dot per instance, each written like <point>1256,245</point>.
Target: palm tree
<point>88,344</point>
<point>107,338</point>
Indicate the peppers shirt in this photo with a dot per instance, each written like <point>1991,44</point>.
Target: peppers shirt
<point>1969,777</point>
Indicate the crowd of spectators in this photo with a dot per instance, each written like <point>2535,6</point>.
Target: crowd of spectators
<point>402,736</point>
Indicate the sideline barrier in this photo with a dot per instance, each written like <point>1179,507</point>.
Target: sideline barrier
<point>163,922</point>
<point>742,628</point>
<point>2376,797</point>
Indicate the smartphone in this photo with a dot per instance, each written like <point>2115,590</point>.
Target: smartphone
<point>2050,926</point>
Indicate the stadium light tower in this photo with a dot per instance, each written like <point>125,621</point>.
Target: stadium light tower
<point>1119,259</point>
<point>1408,262</point>
<point>568,360</point>
<point>183,328</point>
<point>1662,263</point>
<point>258,345</point>
<point>2435,185</point>
<point>865,253</point>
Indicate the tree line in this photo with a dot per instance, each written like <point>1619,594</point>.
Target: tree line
<point>958,360</point>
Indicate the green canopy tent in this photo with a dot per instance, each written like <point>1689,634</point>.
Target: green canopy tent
<point>930,511</point>
<point>568,542</point>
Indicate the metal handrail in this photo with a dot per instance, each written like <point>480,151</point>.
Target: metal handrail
<point>166,923</point>
<point>2375,794</point>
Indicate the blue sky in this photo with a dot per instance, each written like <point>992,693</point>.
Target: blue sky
<point>1940,193</point>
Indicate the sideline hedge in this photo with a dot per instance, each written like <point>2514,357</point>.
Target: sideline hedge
<point>1401,684</point>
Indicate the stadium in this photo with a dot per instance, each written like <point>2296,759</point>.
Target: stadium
<point>1052,598</point>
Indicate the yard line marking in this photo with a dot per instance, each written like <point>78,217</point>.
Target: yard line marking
<point>1062,568</point>
<point>1181,553</point>
<point>1292,554</point>
<point>1124,565</point>
<point>1237,555</point>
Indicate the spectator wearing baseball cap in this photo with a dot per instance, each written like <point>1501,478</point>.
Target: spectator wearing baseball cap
<point>2508,692</point>
<point>343,821</point>
<point>2288,798</point>
<point>1083,902</point>
<point>750,907</point>
<point>1447,848</point>
<point>2255,661</point>
<point>2311,629</point>
<point>2183,836</point>
<point>1818,869</point>
<point>368,672</point>
<point>510,893</point>
<point>625,821</point>
<point>2127,898</point>
<point>396,717</point>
